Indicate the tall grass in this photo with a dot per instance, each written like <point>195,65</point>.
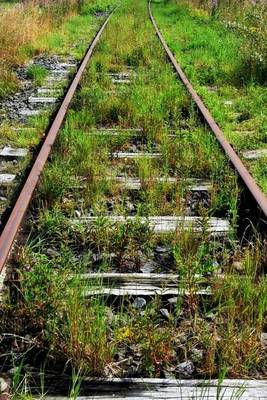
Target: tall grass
<point>249,20</point>
<point>21,25</point>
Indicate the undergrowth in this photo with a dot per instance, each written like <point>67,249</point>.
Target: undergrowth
<point>225,58</point>
<point>219,313</point>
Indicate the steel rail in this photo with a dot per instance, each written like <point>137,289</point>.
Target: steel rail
<point>243,172</point>
<point>18,212</point>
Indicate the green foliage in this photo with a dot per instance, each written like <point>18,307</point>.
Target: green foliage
<point>89,332</point>
<point>8,82</point>
<point>37,73</point>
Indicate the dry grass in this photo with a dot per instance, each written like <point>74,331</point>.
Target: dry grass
<point>20,26</point>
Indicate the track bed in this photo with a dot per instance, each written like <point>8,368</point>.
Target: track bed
<point>134,266</point>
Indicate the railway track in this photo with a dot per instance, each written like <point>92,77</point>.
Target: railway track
<point>137,241</point>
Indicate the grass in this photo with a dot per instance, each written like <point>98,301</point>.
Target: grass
<point>208,50</point>
<point>101,336</point>
<point>37,73</point>
<point>63,36</point>
<point>61,25</point>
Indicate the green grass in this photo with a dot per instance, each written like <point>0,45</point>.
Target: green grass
<point>37,73</point>
<point>96,336</point>
<point>209,52</point>
<point>8,82</point>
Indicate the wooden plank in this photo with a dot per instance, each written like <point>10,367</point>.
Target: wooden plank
<point>29,113</point>
<point>121,154</point>
<point>138,388</point>
<point>120,75</point>
<point>7,179</point>
<point>143,292</point>
<point>165,224</point>
<point>10,152</point>
<point>141,284</point>
<point>121,81</point>
<point>254,154</point>
<point>137,278</point>
<point>103,129</point>
<point>42,100</point>
<point>197,185</point>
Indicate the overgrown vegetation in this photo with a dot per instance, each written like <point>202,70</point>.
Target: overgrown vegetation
<point>72,326</point>
<point>226,64</point>
<point>21,37</point>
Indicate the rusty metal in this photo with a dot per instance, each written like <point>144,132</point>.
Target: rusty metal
<point>18,212</point>
<point>243,172</point>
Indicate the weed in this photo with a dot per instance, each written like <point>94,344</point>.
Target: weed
<point>80,327</point>
<point>37,73</point>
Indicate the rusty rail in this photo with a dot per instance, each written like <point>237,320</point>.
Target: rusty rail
<point>18,212</point>
<point>243,172</point>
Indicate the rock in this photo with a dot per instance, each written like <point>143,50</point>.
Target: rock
<point>165,313</point>
<point>129,265</point>
<point>148,267</point>
<point>52,253</point>
<point>264,340</point>
<point>97,257</point>
<point>182,339</point>
<point>162,249</point>
<point>186,368</point>
<point>130,206</point>
<point>238,266</point>
<point>3,385</point>
<point>173,300</point>
<point>139,302</point>
<point>78,213</point>
<point>196,355</point>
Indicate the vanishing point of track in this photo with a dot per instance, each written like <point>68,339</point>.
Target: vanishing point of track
<point>15,221</point>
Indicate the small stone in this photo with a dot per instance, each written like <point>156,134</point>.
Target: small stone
<point>238,266</point>
<point>139,302</point>
<point>228,102</point>
<point>129,265</point>
<point>161,249</point>
<point>130,206</point>
<point>97,257</point>
<point>165,313</point>
<point>148,267</point>
<point>182,339</point>
<point>197,355</point>
<point>264,340</point>
<point>3,385</point>
<point>52,253</point>
<point>186,368</point>
<point>78,213</point>
<point>173,300</point>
